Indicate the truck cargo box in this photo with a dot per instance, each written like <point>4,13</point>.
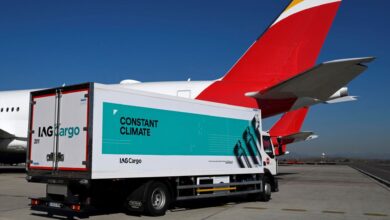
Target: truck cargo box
<point>96,131</point>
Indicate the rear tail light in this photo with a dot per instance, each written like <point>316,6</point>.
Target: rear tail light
<point>34,202</point>
<point>75,208</point>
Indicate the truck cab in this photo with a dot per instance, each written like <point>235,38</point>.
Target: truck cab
<point>270,164</point>
<point>268,154</point>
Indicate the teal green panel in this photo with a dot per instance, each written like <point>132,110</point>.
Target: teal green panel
<point>149,131</point>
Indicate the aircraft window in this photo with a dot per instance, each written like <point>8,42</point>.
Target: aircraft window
<point>268,146</point>
<point>7,109</point>
<point>12,109</point>
<point>2,109</point>
<point>17,109</point>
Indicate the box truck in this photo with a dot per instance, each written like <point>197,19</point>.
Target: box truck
<point>95,144</point>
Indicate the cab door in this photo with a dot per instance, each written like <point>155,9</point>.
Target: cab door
<point>269,158</point>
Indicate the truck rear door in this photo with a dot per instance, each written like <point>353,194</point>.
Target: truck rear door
<point>59,129</point>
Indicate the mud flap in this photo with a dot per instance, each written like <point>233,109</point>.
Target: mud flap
<point>135,201</point>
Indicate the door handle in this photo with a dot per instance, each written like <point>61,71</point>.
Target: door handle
<point>60,157</point>
<point>50,157</point>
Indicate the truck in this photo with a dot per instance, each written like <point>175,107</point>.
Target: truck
<point>94,144</point>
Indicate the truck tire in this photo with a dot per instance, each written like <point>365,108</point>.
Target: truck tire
<point>265,195</point>
<point>157,199</point>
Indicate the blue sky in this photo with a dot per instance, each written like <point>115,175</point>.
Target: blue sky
<point>48,43</point>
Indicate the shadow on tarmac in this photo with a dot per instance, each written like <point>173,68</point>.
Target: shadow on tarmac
<point>12,169</point>
<point>176,207</point>
<point>207,203</point>
<point>285,174</point>
<point>42,215</point>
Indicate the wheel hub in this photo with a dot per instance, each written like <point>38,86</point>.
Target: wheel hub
<point>158,199</point>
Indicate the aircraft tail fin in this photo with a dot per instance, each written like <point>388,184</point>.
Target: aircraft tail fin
<point>287,130</point>
<point>288,47</point>
<point>290,123</point>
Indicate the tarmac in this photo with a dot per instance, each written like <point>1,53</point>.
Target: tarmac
<point>306,192</point>
<point>378,171</point>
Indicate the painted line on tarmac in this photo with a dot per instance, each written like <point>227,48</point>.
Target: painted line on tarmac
<point>294,210</point>
<point>260,208</point>
<point>15,196</point>
<point>385,182</point>
<point>375,214</point>
<point>333,212</point>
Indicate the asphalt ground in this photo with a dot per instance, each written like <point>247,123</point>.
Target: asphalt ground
<point>306,192</point>
<point>380,171</point>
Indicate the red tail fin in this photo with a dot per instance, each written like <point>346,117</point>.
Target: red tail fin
<point>289,123</point>
<point>288,47</point>
<point>287,126</point>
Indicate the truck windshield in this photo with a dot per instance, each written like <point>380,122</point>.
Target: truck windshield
<point>268,146</point>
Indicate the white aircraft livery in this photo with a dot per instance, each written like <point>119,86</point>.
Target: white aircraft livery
<point>277,74</point>
<point>14,109</point>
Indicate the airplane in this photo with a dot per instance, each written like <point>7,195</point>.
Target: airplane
<point>14,109</point>
<point>276,74</point>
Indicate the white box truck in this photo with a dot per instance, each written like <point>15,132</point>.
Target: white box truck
<point>95,144</point>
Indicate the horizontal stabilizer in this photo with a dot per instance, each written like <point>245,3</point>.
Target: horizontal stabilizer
<point>342,99</point>
<point>297,137</point>
<point>315,85</point>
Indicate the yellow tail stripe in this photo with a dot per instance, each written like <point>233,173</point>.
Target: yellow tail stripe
<point>293,3</point>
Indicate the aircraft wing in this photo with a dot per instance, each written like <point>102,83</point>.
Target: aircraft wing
<point>317,84</point>
<point>5,135</point>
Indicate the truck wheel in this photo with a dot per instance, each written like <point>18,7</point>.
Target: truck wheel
<point>265,195</point>
<point>157,199</point>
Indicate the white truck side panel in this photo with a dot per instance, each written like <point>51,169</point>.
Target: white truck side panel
<point>114,164</point>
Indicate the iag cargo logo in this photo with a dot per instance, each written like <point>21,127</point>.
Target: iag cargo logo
<point>69,132</point>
